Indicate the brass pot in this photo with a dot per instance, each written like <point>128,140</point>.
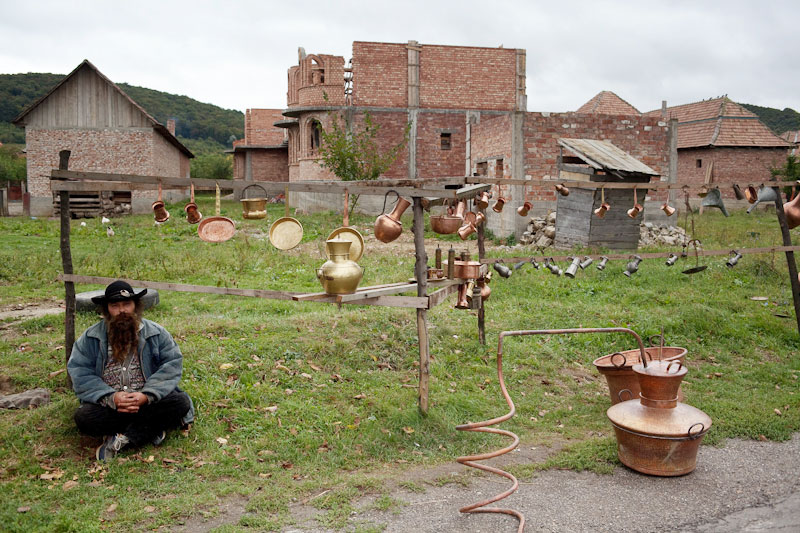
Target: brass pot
<point>618,368</point>
<point>339,275</point>
<point>254,208</point>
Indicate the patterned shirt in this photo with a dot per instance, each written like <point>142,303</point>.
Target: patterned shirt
<point>124,376</point>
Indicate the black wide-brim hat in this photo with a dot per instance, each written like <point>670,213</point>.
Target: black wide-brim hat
<point>118,291</point>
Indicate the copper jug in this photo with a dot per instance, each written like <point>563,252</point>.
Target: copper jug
<point>563,191</point>
<point>524,208</point>
<point>792,211</point>
<point>482,200</point>
<point>634,211</point>
<point>388,226</point>
<point>340,274</point>
<point>668,209</point>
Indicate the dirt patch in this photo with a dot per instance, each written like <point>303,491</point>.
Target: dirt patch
<point>30,310</point>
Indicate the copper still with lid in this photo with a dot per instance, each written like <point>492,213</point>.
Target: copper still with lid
<point>657,434</point>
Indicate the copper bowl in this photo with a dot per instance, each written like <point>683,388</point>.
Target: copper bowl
<point>445,224</point>
<point>618,369</point>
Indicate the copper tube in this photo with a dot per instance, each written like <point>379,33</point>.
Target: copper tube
<point>451,261</point>
<point>438,258</point>
<point>482,427</point>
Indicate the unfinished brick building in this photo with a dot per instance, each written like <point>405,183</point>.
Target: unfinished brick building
<point>262,154</point>
<point>105,130</point>
<point>467,110</point>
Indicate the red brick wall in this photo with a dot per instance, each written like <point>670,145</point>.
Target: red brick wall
<point>118,151</point>
<point>270,165</point>
<point>259,129</point>
<point>490,139</point>
<point>642,137</point>
<point>451,77</point>
<point>432,161</point>
<point>380,74</point>
<point>458,77</point>
<point>731,165</point>
<point>392,126</point>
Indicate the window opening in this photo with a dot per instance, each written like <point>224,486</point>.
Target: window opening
<point>498,168</point>
<point>482,168</point>
<point>445,141</point>
<point>699,163</point>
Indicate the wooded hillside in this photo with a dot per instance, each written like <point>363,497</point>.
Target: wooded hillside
<point>194,120</point>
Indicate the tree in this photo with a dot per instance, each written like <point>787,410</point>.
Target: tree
<point>790,171</point>
<point>13,165</point>
<point>212,166</point>
<point>354,154</point>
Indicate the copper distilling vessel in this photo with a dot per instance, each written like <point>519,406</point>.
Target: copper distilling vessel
<point>464,269</point>
<point>340,274</point>
<point>657,434</point>
<point>388,226</point>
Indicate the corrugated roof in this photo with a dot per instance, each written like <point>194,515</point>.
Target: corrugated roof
<point>603,155</point>
<point>160,128</point>
<point>791,136</point>
<point>719,122</point>
<point>608,103</point>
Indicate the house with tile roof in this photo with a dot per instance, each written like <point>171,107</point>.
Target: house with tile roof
<point>794,138</point>
<point>608,103</point>
<point>725,142</point>
<point>105,131</point>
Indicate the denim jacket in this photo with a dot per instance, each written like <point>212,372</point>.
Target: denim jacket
<point>162,364</point>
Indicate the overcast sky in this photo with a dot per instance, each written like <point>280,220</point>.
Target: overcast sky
<point>235,54</point>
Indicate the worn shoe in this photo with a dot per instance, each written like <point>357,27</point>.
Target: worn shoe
<point>160,438</point>
<point>111,447</point>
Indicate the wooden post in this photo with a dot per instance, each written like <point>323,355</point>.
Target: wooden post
<point>482,255</point>
<point>787,241</point>
<point>66,262</point>
<point>421,274</point>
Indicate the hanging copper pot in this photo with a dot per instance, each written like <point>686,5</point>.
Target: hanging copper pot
<point>563,191</point>
<point>193,215</point>
<point>601,211</point>
<point>482,200</point>
<point>792,211</point>
<point>668,209</point>
<point>750,194</point>
<point>160,212</point>
<point>498,205</point>
<point>524,208</point>
<point>634,211</point>
<point>461,301</point>
<point>388,226</point>
<point>466,230</point>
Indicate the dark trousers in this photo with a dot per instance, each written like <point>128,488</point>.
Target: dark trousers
<point>141,427</point>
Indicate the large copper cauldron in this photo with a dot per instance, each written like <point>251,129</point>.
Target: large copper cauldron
<point>656,434</point>
<point>618,369</point>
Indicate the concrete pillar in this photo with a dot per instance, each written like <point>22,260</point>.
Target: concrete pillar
<point>413,105</point>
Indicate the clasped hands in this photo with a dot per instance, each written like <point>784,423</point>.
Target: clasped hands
<point>129,402</point>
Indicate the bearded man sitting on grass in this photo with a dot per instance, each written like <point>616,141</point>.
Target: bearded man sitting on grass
<point>125,370</point>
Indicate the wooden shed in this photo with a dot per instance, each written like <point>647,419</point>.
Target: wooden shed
<point>599,161</point>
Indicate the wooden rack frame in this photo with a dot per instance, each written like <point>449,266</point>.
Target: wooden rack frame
<point>424,191</point>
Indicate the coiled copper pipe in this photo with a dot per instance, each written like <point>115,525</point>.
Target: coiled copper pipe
<point>482,427</point>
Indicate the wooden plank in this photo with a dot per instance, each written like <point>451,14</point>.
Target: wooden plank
<point>321,295</point>
<point>95,186</point>
<point>181,287</point>
<point>66,263</point>
<point>374,293</point>
<point>794,283</point>
<point>440,295</point>
<point>420,272</point>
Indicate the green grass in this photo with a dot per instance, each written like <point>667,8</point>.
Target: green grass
<point>314,361</point>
